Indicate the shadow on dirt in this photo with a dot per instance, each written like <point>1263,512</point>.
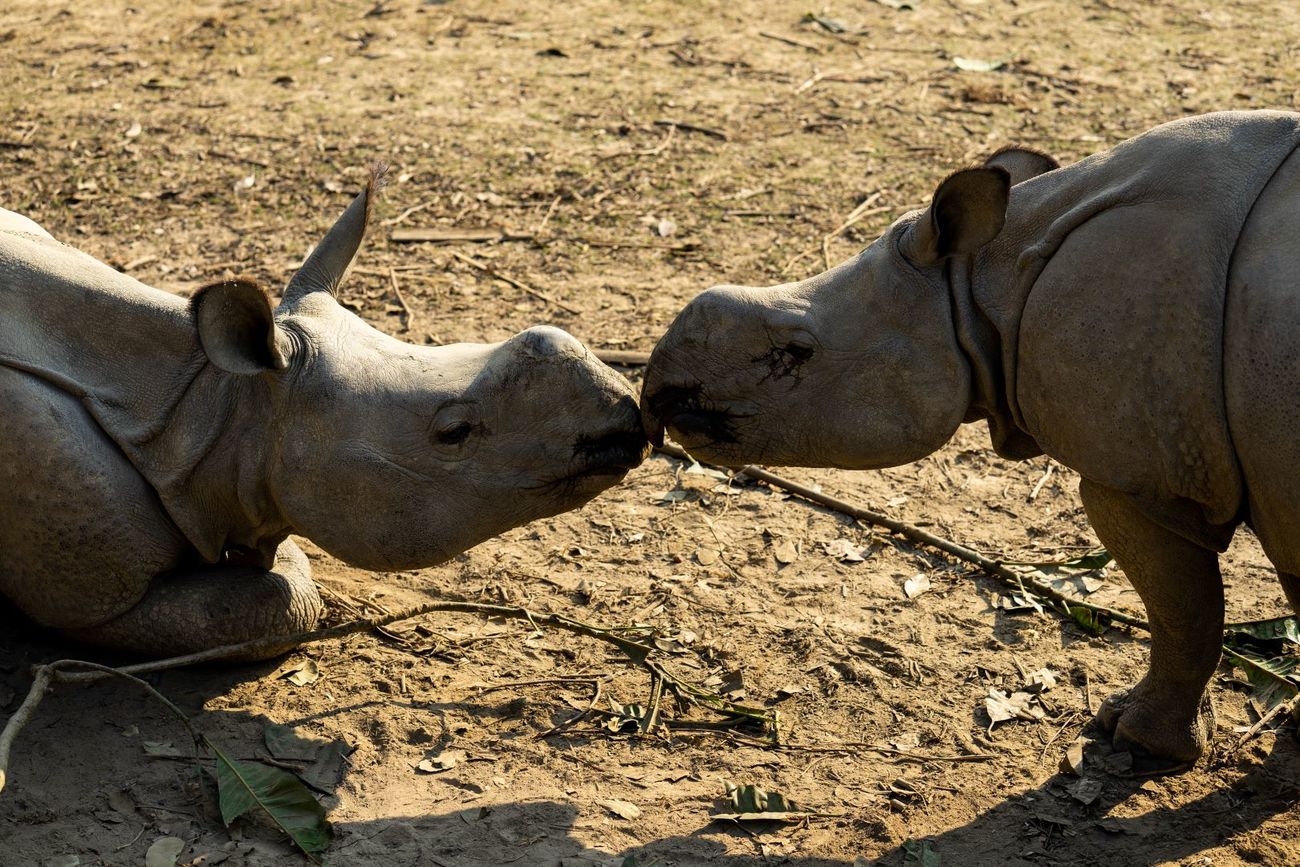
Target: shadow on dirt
<point>1128,824</point>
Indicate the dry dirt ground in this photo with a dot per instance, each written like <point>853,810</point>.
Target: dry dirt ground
<point>632,153</point>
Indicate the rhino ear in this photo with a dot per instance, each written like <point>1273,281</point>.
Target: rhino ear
<point>967,212</point>
<point>324,269</point>
<point>1022,163</point>
<point>237,328</point>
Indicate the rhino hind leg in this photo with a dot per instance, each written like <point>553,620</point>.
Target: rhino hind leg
<point>195,609</point>
<point>1166,719</point>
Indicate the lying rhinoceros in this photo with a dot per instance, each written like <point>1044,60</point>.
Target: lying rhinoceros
<point>1136,316</point>
<point>155,453</point>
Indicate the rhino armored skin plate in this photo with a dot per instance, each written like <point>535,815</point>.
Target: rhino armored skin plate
<point>1136,316</point>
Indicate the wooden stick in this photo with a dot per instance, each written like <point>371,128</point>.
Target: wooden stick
<point>1280,708</point>
<point>401,299</point>
<point>623,357</point>
<point>536,293</point>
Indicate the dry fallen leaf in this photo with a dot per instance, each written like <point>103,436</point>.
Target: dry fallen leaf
<point>1072,761</point>
<point>786,552</point>
<point>844,550</point>
<point>1019,705</point>
<point>916,585</point>
<point>622,809</point>
<point>304,674</point>
<point>1086,791</point>
<point>164,852</point>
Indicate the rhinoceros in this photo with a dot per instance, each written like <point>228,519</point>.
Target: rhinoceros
<point>1136,316</point>
<point>157,452</point>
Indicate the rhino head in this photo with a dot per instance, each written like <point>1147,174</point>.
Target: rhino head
<point>859,367</point>
<point>391,455</point>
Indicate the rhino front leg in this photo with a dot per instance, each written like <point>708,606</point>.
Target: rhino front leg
<point>194,609</point>
<point>1166,719</point>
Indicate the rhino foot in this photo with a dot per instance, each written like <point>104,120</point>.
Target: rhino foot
<point>196,609</point>
<point>1139,722</point>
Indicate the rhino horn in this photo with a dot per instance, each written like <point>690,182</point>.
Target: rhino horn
<point>1022,163</point>
<point>324,269</point>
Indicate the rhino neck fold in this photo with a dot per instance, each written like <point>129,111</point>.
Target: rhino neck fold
<point>209,465</point>
<point>983,344</point>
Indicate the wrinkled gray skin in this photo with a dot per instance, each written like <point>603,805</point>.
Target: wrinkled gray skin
<point>155,452</point>
<point>1134,315</point>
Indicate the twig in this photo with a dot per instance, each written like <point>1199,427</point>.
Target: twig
<point>1073,718</point>
<point>393,221</point>
<point>546,218</point>
<point>788,41</point>
<point>545,681</point>
<point>1288,707</point>
<point>915,534</point>
<point>685,246</point>
<point>690,127</point>
<point>596,692</point>
<point>1047,474</point>
<point>236,158</point>
<point>40,686</point>
<point>401,299</point>
<point>43,678</point>
<point>493,272</point>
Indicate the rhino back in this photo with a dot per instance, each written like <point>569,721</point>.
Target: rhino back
<point>126,350</point>
<point>1109,289</point>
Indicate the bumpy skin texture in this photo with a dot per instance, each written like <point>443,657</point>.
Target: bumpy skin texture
<point>1133,315</point>
<point>155,454</point>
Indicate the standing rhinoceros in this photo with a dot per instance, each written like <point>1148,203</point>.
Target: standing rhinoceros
<point>1136,316</point>
<point>155,453</point>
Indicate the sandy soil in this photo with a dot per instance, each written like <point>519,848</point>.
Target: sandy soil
<point>646,150</point>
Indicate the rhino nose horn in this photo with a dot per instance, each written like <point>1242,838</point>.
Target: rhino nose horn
<point>543,341</point>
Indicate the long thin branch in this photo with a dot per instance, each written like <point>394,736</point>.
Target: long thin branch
<point>639,653</point>
<point>915,534</point>
<point>43,678</point>
<point>40,686</point>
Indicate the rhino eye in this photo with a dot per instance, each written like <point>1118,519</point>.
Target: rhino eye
<point>455,434</point>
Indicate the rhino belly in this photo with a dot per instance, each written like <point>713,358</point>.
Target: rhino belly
<point>1262,364</point>
<point>81,532</point>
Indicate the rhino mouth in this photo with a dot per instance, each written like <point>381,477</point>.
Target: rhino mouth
<point>610,454</point>
<point>693,421</point>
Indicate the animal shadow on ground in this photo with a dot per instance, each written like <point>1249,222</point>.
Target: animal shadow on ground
<point>1130,823</point>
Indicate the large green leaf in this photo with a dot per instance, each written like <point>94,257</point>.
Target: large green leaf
<point>241,786</point>
<point>1275,679</point>
<point>1277,631</point>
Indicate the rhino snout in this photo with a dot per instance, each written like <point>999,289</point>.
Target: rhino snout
<point>547,342</point>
